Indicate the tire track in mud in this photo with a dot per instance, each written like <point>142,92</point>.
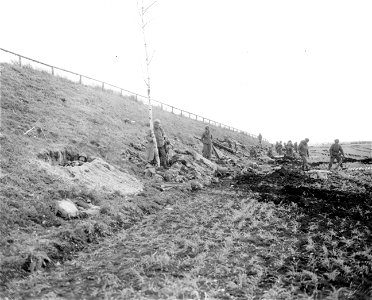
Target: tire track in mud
<point>274,236</point>
<point>216,243</point>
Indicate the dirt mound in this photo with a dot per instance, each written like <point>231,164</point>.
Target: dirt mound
<point>93,173</point>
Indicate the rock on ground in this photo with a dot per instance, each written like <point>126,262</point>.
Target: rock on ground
<point>67,208</point>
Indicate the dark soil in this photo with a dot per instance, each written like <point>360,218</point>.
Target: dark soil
<point>278,235</point>
<point>214,243</point>
<point>331,215</point>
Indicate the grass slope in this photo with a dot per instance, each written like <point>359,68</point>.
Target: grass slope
<point>83,119</point>
<point>269,232</point>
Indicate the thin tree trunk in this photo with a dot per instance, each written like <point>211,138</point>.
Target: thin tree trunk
<point>143,10</point>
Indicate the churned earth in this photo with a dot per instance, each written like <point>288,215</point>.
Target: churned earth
<point>236,227</point>
<point>279,235</point>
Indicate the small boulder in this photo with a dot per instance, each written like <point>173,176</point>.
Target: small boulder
<point>67,209</point>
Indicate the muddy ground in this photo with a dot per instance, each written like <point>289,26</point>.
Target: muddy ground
<point>265,230</point>
<point>261,235</point>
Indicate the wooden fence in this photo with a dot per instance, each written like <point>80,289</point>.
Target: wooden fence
<point>104,85</point>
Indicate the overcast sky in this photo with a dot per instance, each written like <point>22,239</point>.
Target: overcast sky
<point>287,69</point>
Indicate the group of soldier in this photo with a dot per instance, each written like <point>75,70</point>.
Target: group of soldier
<point>288,148</point>
<point>163,144</point>
<point>336,152</point>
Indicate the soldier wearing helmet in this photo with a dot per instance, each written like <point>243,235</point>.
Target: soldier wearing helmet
<point>161,140</point>
<point>207,143</point>
<point>303,150</point>
<point>289,149</point>
<point>336,152</point>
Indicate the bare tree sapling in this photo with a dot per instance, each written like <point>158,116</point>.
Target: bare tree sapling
<point>142,12</point>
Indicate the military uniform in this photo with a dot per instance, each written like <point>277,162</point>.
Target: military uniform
<point>207,143</point>
<point>303,150</point>
<point>160,141</point>
<point>335,152</point>
<point>289,149</point>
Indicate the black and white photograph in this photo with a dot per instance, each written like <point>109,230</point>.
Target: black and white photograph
<point>173,149</point>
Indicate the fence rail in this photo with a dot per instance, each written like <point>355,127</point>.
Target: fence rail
<point>104,85</point>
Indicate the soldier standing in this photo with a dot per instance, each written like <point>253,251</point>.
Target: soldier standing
<point>289,149</point>
<point>336,152</point>
<point>207,143</point>
<point>160,141</point>
<point>303,149</point>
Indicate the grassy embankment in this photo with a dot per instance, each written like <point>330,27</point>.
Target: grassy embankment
<point>81,119</point>
<point>274,234</point>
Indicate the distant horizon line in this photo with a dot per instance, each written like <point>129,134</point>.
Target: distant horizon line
<point>347,142</point>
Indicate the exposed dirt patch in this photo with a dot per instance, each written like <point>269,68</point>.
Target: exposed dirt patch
<point>280,235</point>
<point>92,172</point>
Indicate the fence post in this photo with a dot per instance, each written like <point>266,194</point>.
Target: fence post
<point>204,120</point>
